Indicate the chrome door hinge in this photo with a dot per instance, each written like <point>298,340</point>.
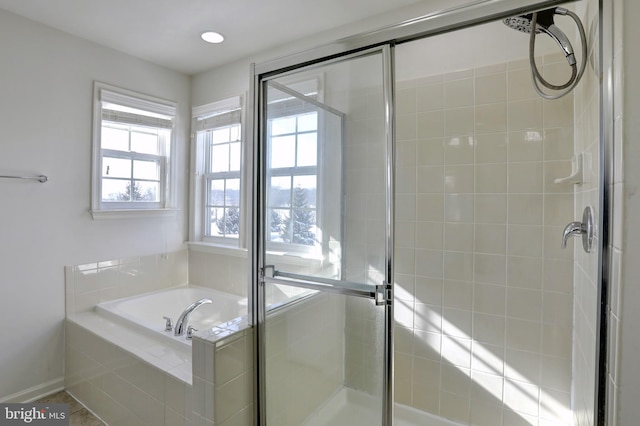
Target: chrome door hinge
<point>384,294</point>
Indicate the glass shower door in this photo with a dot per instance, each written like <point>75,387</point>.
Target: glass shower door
<point>325,243</point>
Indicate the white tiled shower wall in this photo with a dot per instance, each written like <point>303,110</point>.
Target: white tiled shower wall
<point>484,293</point>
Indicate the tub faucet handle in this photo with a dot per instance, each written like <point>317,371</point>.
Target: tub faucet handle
<point>168,326</point>
<point>190,331</point>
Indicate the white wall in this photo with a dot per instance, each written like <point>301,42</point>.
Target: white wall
<point>628,126</point>
<point>233,79</point>
<point>46,82</point>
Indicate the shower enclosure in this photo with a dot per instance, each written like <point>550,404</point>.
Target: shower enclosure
<point>411,193</point>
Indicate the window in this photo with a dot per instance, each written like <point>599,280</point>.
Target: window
<point>133,136</point>
<point>218,137</point>
<point>293,179</point>
<point>295,125</point>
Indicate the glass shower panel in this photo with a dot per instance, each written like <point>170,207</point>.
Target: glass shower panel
<point>304,195</point>
<point>325,243</point>
<point>325,172</point>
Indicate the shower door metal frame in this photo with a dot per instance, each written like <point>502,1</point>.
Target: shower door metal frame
<point>431,24</point>
<point>605,206</point>
<point>381,294</point>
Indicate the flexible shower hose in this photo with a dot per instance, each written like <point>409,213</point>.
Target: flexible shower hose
<point>575,74</point>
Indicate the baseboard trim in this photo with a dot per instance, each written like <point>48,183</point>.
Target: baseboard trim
<point>36,392</point>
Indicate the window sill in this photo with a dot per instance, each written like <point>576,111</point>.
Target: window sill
<point>290,258</point>
<point>213,248</point>
<point>131,214</point>
<point>295,258</point>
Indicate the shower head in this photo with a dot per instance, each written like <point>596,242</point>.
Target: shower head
<point>544,24</point>
<point>520,23</point>
<point>523,22</point>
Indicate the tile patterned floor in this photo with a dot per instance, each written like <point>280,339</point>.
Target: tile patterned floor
<point>79,416</point>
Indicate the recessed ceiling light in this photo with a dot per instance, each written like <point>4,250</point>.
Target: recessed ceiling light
<point>212,37</point>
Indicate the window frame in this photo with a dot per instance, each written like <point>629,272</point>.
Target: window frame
<point>210,176</point>
<point>310,88</point>
<point>106,93</point>
<point>292,172</point>
<point>200,176</point>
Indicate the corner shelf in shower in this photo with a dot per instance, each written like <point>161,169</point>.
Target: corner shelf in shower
<point>577,171</point>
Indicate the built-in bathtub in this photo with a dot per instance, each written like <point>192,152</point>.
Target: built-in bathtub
<point>123,366</point>
<point>145,312</point>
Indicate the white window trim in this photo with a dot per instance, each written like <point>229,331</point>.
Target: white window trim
<point>198,184</point>
<point>167,206</point>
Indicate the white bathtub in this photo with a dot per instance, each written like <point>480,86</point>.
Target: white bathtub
<point>145,311</point>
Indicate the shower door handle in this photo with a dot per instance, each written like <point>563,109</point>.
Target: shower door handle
<point>584,228</point>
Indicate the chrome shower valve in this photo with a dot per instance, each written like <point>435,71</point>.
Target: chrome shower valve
<point>585,228</point>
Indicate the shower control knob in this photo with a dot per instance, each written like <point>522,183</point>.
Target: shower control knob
<point>584,229</point>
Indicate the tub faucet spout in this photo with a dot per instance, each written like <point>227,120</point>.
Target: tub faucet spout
<point>181,323</point>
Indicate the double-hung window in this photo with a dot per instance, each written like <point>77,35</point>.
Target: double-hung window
<point>293,179</point>
<point>293,123</point>
<point>218,139</point>
<point>132,149</point>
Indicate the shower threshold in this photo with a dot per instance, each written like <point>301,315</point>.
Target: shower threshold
<point>352,407</point>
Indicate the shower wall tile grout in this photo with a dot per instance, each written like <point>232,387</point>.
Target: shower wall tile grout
<point>475,218</point>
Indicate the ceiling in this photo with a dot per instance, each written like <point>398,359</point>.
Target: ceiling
<point>167,32</point>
